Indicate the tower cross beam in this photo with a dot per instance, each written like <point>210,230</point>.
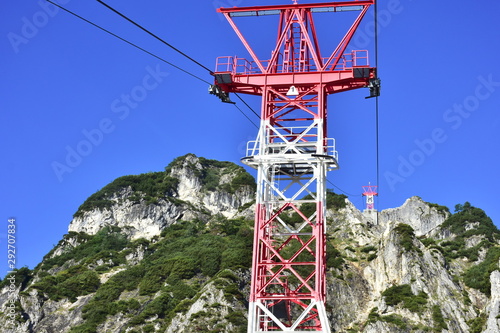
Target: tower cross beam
<point>336,6</point>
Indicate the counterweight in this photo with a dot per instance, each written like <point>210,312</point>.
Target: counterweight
<point>292,154</point>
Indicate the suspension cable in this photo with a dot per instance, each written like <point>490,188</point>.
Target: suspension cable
<point>126,41</point>
<point>377,105</point>
<point>243,113</point>
<point>248,106</point>
<point>376,99</point>
<point>146,51</point>
<point>177,50</point>
<point>341,190</point>
<point>152,34</point>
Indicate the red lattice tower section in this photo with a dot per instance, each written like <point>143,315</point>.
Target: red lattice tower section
<point>292,155</point>
<point>370,192</point>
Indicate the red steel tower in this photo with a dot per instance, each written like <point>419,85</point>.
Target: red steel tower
<point>370,192</point>
<point>292,154</point>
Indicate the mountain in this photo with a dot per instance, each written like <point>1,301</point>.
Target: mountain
<point>171,252</point>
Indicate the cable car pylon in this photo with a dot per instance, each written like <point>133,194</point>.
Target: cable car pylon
<point>292,155</point>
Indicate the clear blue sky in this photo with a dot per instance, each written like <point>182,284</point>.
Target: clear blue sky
<point>67,86</point>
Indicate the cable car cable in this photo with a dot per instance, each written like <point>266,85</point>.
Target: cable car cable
<point>341,190</point>
<point>376,105</point>
<point>152,34</point>
<point>376,98</point>
<point>146,51</point>
<point>248,106</point>
<point>236,106</point>
<point>126,41</point>
<point>175,49</point>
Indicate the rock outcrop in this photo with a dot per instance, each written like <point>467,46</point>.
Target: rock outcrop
<point>189,201</point>
<point>175,258</point>
<point>493,308</point>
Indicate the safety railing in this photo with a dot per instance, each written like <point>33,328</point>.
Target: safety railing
<point>236,65</point>
<point>256,148</point>
<point>242,66</point>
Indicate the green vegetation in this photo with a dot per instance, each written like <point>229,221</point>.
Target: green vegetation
<point>77,277</point>
<point>333,201</point>
<point>466,222</point>
<point>371,251</point>
<point>437,317</point>
<point>237,318</point>
<point>407,237</point>
<point>394,319</point>
<point>457,224</point>
<point>211,172</point>
<point>457,249</point>
<point>478,276</point>
<point>242,179</point>
<point>333,257</point>
<point>104,245</point>
<point>476,325</point>
<point>71,283</point>
<point>441,209</point>
<point>465,214</point>
<point>373,316</point>
<point>368,253</point>
<point>22,277</point>
<point>291,249</point>
<point>148,186</point>
<point>368,249</point>
<point>73,237</point>
<point>428,242</point>
<point>403,294</point>
<point>172,271</point>
<point>172,299</point>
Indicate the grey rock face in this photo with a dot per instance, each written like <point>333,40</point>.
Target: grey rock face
<point>146,220</point>
<point>357,288</point>
<point>374,255</point>
<point>494,304</point>
<point>136,220</point>
<point>423,218</point>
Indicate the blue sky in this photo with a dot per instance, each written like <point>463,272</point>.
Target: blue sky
<point>69,88</point>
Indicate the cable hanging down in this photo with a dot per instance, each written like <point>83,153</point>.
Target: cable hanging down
<point>376,98</point>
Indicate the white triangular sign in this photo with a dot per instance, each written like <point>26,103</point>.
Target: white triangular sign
<point>292,91</point>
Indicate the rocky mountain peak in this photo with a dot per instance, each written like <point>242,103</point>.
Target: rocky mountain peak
<point>422,216</point>
<point>171,251</point>
<point>190,188</point>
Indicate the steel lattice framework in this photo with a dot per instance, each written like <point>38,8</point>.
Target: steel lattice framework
<point>370,192</point>
<point>292,155</point>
